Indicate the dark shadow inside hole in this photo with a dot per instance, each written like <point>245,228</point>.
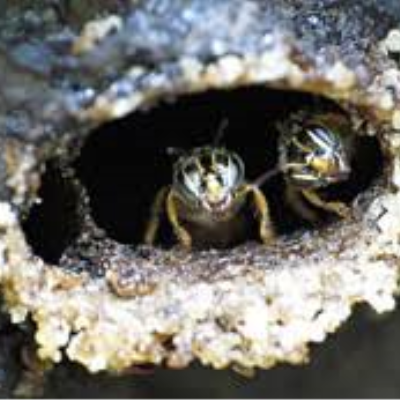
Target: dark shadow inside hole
<point>52,223</point>
<point>124,163</point>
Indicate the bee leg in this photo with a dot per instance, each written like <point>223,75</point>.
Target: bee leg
<point>181,233</point>
<point>154,221</point>
<point>266,229</point>
<point>336,207</point>
<point>295,200</point>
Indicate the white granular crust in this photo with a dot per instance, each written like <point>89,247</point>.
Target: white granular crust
<point>251,307</point>
<point>254,319</point>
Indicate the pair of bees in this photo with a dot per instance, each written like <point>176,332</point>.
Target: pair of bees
<point>207,202</point>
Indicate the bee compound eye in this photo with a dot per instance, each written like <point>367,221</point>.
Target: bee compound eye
<point>179,176</point>
<point>222,158</point>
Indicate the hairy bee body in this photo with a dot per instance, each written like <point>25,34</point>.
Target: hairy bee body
<point>207,201</point>
<point>214,231</point>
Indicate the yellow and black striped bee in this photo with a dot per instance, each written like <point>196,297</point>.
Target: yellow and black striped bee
<point>315,152</point>
<point>207,200</point>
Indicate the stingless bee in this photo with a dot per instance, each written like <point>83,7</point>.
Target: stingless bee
<point>315,152</point>
<point>207,201</point>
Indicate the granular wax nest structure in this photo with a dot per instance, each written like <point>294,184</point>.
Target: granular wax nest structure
<point>91,98</point>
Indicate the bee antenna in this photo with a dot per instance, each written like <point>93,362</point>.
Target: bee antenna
<point>175,151</point>
<point>221,131</point>
<point>264,177</point>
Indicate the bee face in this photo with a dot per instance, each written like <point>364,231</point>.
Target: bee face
<point>209,178</point>
<point>314,155</point>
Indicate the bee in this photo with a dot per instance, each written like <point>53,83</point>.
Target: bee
<point>314,153</point>
<point>206,202</point>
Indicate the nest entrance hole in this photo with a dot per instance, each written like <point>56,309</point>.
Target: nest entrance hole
<point>125,162</point>
<point>52,224</point>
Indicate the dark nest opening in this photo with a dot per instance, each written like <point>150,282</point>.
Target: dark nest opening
<point>125,162</point>
<point>52,223</point>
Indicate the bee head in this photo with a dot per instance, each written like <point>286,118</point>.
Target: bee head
<point>315,156</point>
<point>208,178</point>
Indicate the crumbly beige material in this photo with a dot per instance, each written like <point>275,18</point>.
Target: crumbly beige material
<point>235,309</point>
<point>249,307</point>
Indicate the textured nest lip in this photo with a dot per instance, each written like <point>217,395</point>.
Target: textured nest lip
<point>247,307</point>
